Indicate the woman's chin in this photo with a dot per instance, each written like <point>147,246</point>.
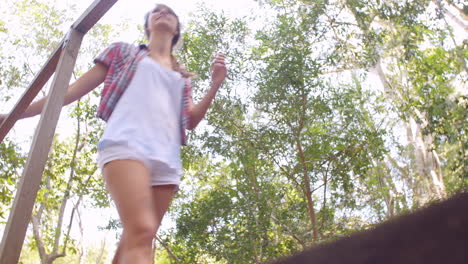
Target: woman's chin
<point>163,26</point>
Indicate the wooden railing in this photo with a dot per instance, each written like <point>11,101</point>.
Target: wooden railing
<point>61,62</point>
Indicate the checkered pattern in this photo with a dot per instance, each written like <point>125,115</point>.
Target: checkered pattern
<point>121,60</point>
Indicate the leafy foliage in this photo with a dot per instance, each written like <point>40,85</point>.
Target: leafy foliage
<point>11,161</point>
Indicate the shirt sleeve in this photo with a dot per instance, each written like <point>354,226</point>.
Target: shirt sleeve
<point>110,53</point>
<point>189,90</point>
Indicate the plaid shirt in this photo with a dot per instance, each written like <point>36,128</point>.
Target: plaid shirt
<point>121,60</point>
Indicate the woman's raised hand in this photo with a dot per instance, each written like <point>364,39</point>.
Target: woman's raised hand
<point>218,70</point>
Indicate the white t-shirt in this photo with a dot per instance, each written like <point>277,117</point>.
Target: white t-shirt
<point>147,116</point>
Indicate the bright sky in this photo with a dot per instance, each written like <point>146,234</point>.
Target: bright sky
<point>134,10</point>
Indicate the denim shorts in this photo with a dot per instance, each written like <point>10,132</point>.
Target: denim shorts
<point>160,172</point>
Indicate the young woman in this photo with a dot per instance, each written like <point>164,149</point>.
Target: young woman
<point>147,104</point>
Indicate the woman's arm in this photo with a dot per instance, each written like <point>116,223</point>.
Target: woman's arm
<point>87,82</point>
<point>219,73</point>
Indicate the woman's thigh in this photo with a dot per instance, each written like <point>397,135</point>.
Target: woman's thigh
<point>129,185</point>
<point>162,197</point>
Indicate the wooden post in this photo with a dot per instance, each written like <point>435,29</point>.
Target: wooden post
<point>26,193</point>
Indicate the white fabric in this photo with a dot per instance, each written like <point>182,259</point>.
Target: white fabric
<point>160,173</point>
<point>147,116</point>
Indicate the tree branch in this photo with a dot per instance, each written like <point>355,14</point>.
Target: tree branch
<point>66,196</point>
<point>101,252</point>
<point>53,257</point>
<point>168,249</point>
<point>255,143</point>
<point>290,232</point>
<point>38,238</point>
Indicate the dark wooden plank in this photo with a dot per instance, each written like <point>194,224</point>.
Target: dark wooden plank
<point>433,235</point>
<point>28,96</point>
<point>92,15</point>
<point>20,214</point>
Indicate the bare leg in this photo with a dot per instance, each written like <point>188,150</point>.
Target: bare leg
<point>162,197</point>
<point>118,253</point>
<point>128,184</point>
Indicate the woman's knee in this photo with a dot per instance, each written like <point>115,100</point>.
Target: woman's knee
<point>141,233</point>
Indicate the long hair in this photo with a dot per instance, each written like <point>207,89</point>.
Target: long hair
<point>176,66</point>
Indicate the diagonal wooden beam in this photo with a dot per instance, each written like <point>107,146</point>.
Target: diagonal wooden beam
<point>28,96</point>
<point>92,15</point>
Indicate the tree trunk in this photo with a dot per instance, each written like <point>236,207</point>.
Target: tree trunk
<point>428,183</point>
<point>460,10</point>
<point>382,172</point>
<point>307,190</point>
<point>451,16</point>
<point>101,252</point>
